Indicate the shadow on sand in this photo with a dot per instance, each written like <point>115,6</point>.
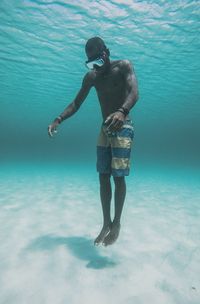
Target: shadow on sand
<point>82,248</point>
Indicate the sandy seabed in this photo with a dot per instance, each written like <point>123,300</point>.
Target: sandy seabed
<point>48,223</point>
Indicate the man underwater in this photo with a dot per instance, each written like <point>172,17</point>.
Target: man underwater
<point>117,91</point>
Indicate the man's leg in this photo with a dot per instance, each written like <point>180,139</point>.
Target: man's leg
<point>120,193</point>
<point>105,195</point>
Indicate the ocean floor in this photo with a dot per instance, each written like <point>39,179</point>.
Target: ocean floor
<point>49,218</point>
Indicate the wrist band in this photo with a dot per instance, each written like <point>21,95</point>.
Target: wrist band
<point>59,119</point>
<point>126,111</point>
<point>123,110</point>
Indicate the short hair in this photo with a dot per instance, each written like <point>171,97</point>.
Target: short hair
<point>98,42</point>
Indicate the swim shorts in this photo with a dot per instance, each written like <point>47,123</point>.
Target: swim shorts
<point>114,150</point>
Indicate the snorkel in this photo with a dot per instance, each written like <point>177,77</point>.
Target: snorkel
<point>95,63</point>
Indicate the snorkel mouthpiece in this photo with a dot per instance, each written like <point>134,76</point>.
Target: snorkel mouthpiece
<point>99,62</point>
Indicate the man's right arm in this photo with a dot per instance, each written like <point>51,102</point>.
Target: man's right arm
<point>73,107</point>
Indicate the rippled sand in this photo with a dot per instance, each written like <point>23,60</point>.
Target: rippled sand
<point>49,219</point>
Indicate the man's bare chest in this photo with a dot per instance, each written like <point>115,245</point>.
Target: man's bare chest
<point>112,82</point>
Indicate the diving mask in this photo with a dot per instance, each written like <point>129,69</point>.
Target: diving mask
<point>99,62</point>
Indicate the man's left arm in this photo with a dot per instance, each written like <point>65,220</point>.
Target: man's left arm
<point>116,119</point>
<point>131,85</point>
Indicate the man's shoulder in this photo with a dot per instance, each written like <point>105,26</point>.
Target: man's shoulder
<point>124,65</point>
<point>121,62</point>
<point>89,78</point>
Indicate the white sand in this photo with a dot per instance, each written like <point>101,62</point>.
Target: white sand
<point>48,222</point>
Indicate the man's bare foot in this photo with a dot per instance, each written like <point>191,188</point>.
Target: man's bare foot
<point>112,235</point>
<point>104,231</point>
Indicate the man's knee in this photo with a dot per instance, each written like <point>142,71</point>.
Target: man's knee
<point>119,180</point>
<point>104,178</point>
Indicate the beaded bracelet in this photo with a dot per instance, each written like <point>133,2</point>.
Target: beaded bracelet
<point>123,110</point>
<point>59,119</point>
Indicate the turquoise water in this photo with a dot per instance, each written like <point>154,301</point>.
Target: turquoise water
<point>42,65</point>
<point>49,202</point>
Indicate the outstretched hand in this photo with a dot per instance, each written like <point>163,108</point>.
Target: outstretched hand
<point>52,129</point>
<point>115,121</point>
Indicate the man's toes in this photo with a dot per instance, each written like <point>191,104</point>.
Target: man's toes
<point>112,236</point>
<point>96,242</point>
<point>101,236</point>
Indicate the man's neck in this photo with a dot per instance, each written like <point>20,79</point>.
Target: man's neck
<point>107,68</point>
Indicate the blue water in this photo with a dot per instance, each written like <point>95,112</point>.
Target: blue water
<point>42,65</point>
<point>49,202</point>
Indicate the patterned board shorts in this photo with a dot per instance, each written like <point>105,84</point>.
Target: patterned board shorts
<point>114,150</point>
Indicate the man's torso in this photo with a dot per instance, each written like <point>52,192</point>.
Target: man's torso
<point>111,88</point>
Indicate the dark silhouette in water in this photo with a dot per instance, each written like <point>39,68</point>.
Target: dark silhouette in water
<point>80,247</point>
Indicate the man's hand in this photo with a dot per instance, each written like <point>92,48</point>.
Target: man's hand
<point>52,129</point>
<point>115,121</point>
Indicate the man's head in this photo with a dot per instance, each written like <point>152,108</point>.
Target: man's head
<point>96,48</point>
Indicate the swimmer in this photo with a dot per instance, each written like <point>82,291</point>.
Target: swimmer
<point>116,86</point>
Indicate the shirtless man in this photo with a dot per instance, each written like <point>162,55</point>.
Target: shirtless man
<point>116,87</point>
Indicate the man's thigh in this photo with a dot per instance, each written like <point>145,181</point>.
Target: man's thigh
<point>121,145</point>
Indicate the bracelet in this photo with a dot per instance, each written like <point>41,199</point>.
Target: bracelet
<point>126,111</point>
<point>120,110</point>
<point>59,119</point>
<point>123,110</point>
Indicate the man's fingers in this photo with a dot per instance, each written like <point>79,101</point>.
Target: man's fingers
<point>111,124</point>
<point>108,119</point>
<point>115,125</point>
<point>50,131</point>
